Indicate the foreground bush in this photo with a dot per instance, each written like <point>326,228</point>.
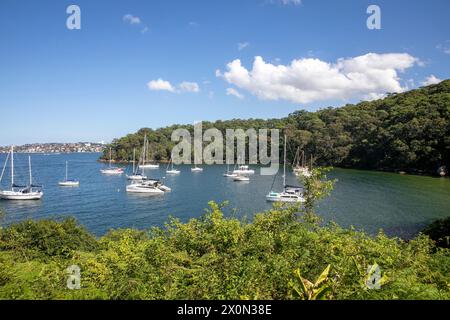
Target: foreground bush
<point>276,256</point>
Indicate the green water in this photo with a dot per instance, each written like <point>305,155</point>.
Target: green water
<point>399,204</point>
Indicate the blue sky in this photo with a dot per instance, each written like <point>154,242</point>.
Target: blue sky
<point>95,84</point>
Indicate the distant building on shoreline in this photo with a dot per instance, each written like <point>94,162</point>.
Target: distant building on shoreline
<point>78,147</point>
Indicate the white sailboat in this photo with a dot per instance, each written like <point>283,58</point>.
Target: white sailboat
<point>301,169</point>
<point>196,169</point>
<point>111,170</point>
<point>17,192</point>
<point>241,178</point>
<point>68,182</point>
<point>172,170</point>
<point>290,193</point>
<point>144,164</point>
<point>244,169</point>
<point>229,174</point>
<point>135,176</point>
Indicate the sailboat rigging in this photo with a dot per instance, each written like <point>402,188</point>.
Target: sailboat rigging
<point>68,182</point>
<point>17,192</point>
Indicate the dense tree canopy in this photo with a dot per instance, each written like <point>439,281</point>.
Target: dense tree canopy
<point>408,131</point>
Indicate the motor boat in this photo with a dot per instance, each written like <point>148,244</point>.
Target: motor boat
<point>197,169</point>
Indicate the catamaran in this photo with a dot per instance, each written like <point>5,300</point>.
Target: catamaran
<point>135,175</point>
<point>172,170</point>
<point>290,193</point>
<point>144,164</point>
<point>68,182</point>
<point>111,170</point>
<point>17,192</point>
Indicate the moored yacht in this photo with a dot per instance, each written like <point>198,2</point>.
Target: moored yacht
<point>196,169</point>
<point>172,170</point>
<point>68,182</point>
<point>144,164</point>
<point>244,169</point>
<point>289,193</point>
<point>136,176</point>
<point>18,192</point>
<point>111,170</point>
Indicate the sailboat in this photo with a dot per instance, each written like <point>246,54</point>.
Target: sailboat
<point>301,169</point>
<point>229,174</point>
<point>196,169</point>
<point>17,192</point>
<point>290,193</point>
<point>135,175</point>
<point>145,165</point>
<point>172,170</point>
<point>241,177</point>
<point>111,170</point>
<point>67,182</point>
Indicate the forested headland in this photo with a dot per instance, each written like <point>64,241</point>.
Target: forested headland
<point>408,131</point>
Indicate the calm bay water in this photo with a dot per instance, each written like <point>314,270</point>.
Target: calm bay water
<point>400,205</point>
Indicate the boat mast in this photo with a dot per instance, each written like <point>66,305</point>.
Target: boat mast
<point>110,156</point>
<point>12,166</point>
<point>145,150</point>
<point>66,171</point>
<point>134,160</point>
<point>284,167</point>
<point>29,167</point>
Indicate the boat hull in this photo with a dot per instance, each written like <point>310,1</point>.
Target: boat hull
<point>280,197</point>
<point>149,166</point>
<point>69,183</point>
<point>144,189</point>
<point>173,171</point>
<point>136,177</point>
<point>12,195</point>
<point>244,171</point>
<point>112,171</point>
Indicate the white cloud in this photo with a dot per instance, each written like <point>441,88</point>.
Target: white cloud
<point>129,18</point>
<point>163,85</point>
<point>431,79</point>
<point>193,24</point>
<point>160,85</point>
<point>234,92</point>
<point>308,80</point>
<point>145,30</point>
<point>242,45</point>
<point>189,86</point>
